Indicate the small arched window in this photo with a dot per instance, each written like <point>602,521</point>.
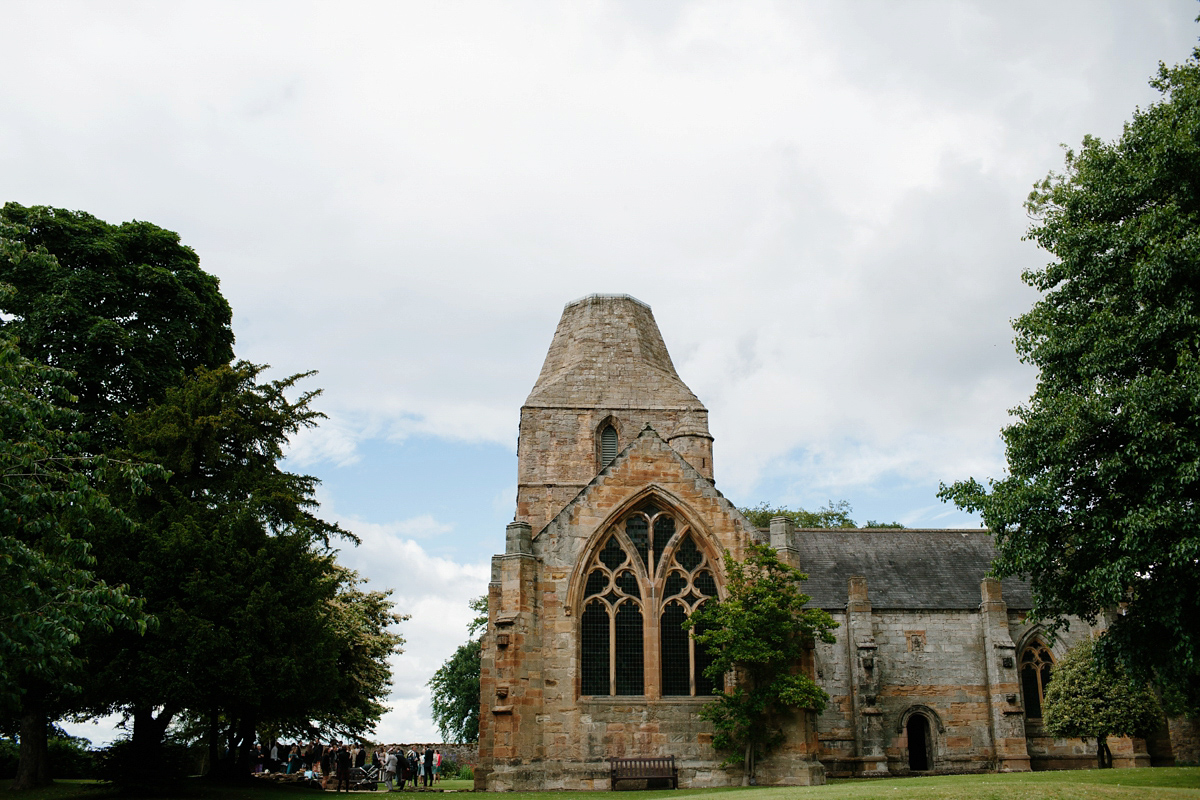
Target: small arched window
<point>608,445</point>
<point>1036,667</point>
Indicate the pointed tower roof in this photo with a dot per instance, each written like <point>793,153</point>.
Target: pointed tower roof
<point>608,353</point>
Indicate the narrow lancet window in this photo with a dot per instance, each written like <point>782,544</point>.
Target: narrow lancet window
<point>608,445</point>
<point>1036,664</point>
<point>595,678</point>
<point>673,644</point>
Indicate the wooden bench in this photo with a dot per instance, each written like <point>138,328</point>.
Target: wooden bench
<point>636,769</point>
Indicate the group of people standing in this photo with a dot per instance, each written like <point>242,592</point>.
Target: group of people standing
<point>320,763</point>
<point>398,767</point>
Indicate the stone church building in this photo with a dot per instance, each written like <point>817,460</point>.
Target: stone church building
<point>618,535</point>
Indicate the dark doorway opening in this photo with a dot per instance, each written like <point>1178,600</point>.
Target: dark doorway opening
<point>918,743</point>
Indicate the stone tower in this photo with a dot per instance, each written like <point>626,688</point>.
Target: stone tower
<point>607,367</point>
<point>619,536</point>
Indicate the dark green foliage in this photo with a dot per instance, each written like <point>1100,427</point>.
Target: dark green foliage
<point>833,515</point>
<point>257,623</point>
<point>49,507</point>
<point>455,685</point>
<point>1088,700</point>
<point>67,757</point>
<point>127,311</point>
<point>455,694</point>
<point>478,623</point>
<point>119,761</point>
<point>1101,507</point>
<point>126,308</point>
<point>761,632</point>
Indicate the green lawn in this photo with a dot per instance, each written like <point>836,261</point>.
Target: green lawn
<point>1113,784</point>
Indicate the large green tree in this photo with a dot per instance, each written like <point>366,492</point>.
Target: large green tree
<point>1092,701</point>
<point>1101,504</point>
<point>126,308</point>
<point>760,633</point>
<point>49,506</point>
<point>454,688</point>
<point>258,626</point>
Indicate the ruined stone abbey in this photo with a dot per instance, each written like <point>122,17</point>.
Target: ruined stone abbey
<point>618,536</point>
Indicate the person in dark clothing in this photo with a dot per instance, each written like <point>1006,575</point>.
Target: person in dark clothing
<point>360,760</point>
<point>343,763</point>
<point>326,762</point>
<point>412,767</point>
<point>428,767</point>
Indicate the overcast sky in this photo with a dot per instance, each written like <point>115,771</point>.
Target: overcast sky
<point>822,202</point>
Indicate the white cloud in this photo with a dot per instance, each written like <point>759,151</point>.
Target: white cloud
<point>434,593</point>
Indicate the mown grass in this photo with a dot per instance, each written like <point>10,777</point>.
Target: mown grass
<point>1113,784</point>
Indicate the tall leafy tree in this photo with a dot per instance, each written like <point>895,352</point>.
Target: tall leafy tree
<point>759,633</point>
<point>454,688</point>
<point>257,623</point>
<point>1101,505</point>
<point>125,308</point>
<point>49,505</point>
<point>1089,700</point>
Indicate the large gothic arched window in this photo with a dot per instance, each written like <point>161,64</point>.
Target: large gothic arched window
<point>641,585</point>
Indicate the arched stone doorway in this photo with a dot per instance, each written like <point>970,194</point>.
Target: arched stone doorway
<point>919,741</point>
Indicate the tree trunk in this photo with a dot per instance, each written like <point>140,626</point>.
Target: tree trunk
<point>1103,754</point>
<point>245,759</point>
<point>33,769</point>
<point>147,740</point>
<point>213,735</point>
<point>224,768</point>
<point>748,764</point>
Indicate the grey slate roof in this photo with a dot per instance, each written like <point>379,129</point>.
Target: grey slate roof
<point>905,569</point>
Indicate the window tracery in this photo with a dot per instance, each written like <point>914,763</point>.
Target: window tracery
<point>1036,668</point>
<point>688,584</point>
<point>640,587</point>
<point>612,616</point>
